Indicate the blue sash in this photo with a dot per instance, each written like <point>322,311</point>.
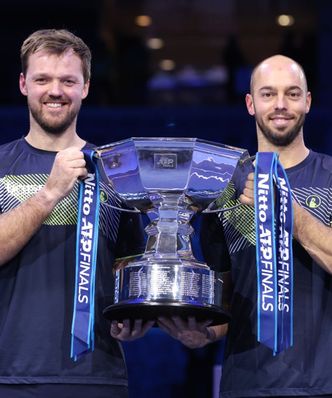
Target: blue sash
<point>82,332</point>
<point>274,224</point>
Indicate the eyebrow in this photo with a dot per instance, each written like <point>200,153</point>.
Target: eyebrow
<point>44,74</point>
<point>294,87</point>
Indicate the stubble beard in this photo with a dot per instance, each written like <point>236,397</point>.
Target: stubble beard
<point>281,140</point>
<point>53,126</point>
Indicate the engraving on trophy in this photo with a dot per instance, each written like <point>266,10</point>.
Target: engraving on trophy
<point>137,284</point>
<point>170,179</point>
<point>165,160</point>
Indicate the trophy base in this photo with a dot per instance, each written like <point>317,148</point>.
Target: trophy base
<point>152,310</point>
<point>147,290</point>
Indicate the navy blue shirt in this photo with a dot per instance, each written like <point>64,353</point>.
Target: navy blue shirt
<point>249,368</point>
<point>37,285</point>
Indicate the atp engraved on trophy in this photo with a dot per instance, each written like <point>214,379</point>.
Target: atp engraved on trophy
<point>170,179</point>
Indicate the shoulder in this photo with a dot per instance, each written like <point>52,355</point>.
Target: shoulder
<point>321,166</point>
<point>323,159</point>
<point>9,152</point>
<point>315,170</point>
<point>11,146</point>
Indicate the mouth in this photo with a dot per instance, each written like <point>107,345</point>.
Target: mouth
<point>280,120</point>
<point>54,105</point>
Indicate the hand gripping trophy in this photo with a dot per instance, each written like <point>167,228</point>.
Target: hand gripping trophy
<point>170,179</point>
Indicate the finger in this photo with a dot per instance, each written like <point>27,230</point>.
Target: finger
<point>245,200</point>
<point>190,340</point>
<point>167,322</point>
<point>192,324</point>
<point>137,328</point>
<point>179,323</point>
<point>125,331</point>
<point>82,173</point>
<point>77,163</point>
<point>167,330</point>
<point>250,184</point>
<point>251,176</point>
<point>203,325</point>
<point>248,192</point>
<point>116,328</point>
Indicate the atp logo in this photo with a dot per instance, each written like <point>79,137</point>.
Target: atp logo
<point>313,201</point>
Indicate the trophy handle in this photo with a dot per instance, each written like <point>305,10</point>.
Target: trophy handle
<point>207,210</point>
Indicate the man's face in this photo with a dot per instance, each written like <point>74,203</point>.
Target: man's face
<point>54,87</point>
<point>279,101</point>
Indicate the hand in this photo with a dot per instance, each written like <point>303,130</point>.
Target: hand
<point>247,197</point>
<point>123,331</point>
<point>191,333</point>
<point>68,166</point>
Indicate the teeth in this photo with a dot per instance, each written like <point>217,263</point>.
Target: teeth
<point>54,105</point>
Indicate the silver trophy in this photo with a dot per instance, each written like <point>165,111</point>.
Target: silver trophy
<point>170,179</point>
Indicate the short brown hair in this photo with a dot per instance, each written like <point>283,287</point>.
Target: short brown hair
<point>56,41</point>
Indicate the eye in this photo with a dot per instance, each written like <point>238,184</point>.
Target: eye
<point>69,82</point>
<point>41,80</point>
<point>294,94</point>
<point>267,94</point>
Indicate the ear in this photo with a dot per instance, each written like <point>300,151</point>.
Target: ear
<point>85,91</point>
<point>308,102</point>
<point>23,86</point>
<point>250,104</point>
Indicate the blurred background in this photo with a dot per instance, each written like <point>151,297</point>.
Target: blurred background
<point>174,68</point>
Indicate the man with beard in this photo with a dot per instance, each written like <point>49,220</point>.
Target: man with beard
<point>279,100</point>
<point>39,176</point>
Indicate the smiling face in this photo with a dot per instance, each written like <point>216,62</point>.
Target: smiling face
<point>55,88</point>
<point>279,100</point>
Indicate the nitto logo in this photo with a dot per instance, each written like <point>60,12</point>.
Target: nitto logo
<point>313,201</point>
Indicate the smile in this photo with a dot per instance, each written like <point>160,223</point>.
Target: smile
<point>53,104</point>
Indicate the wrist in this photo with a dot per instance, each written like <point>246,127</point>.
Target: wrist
<point>46,199</point>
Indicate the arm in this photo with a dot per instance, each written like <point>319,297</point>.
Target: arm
<point>314,236</point>
<point>18,225</point>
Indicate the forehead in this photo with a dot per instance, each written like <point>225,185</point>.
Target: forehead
<point>44,61</point>
<point>278,74</point>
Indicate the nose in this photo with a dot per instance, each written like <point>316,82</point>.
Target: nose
<point>55,89</point>
<point>280,102</point>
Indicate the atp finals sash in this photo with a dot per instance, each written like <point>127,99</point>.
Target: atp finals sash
<point>82,339</point>
<point>274,224</point>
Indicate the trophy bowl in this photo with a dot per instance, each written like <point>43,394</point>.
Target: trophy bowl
<point>170,179</point>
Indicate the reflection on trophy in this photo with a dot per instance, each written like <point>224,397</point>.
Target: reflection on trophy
<point>170,179</point>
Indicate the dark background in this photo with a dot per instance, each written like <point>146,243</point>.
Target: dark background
<point>214,44</point>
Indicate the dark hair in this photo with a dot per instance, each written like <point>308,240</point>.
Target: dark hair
<point>56,41</point>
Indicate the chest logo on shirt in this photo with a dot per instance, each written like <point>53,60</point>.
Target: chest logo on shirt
<point>313,201</point>
<point>103,196</point>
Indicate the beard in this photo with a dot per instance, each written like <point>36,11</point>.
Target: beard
<point>281,138</point>
<point>53,125</point>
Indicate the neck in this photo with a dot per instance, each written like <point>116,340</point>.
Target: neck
<point>289,155</point>
<point>48,142</point>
